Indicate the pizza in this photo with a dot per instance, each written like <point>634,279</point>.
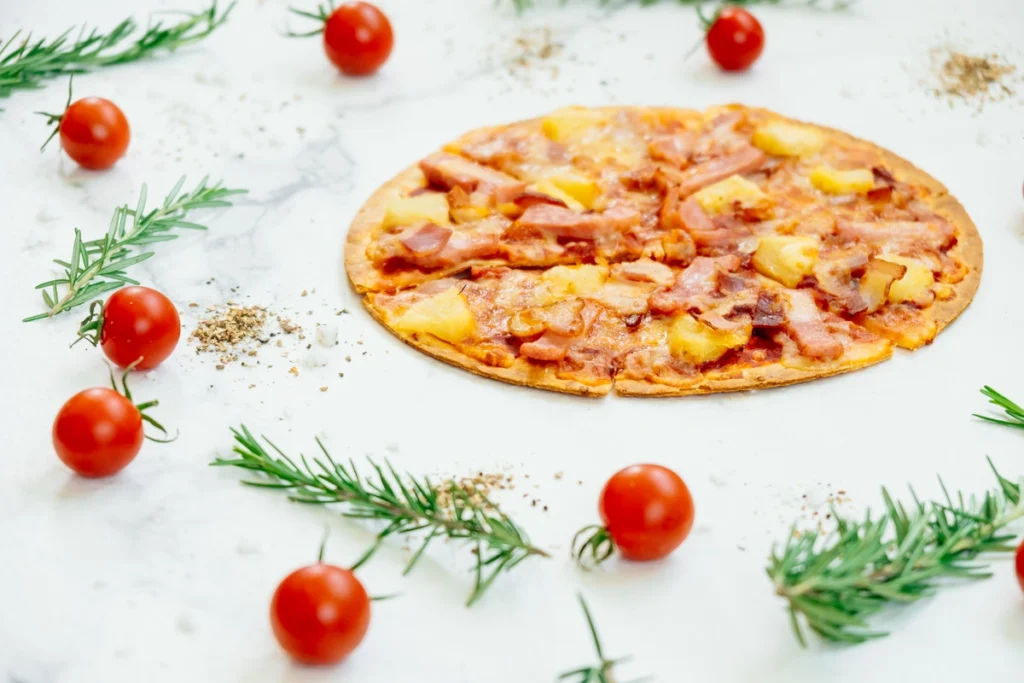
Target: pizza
<point>663,252</point>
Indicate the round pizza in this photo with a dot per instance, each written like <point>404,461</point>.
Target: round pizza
<point>663,252</point>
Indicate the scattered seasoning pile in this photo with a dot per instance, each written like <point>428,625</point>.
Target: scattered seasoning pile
<point>979,78</point>
<point>229,331</point>
<point>477,487</point>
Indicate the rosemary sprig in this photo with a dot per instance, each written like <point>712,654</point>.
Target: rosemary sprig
<point>836,582</point>
<point>406,503</point>
<point>1013,411</point>
<point>30,63</point>
<point>602,673</point>
<point>98,266</point>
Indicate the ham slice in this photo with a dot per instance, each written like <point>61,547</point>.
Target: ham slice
<point>644,270</point>
<point>903,235</point>
<point>560,222</point>
<point>459,249</point>
<point>677,213</point>
<point>425,240</point>
<point>695,287</point>
<point>805,325</point>
<point>674,149</point>
<point>450,170</point>
<point>696,177</point>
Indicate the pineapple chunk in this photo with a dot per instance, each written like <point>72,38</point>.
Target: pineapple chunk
<point>571,123</point>
<point>698,343</point>
<point>563,281</point>
<point>548,187</point>
<point>429,206</point>
<point>915,285</point>
<point>787,139</point>
<point>578,186</point>
<point>734,190</point>
<point>833,181</point>
<point>446,315</point>
<point>468,214</point>
<point>786,258</point>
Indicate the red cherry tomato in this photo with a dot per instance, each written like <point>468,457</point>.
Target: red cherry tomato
<point>139,323</point>
<point>320,613</point>
<point>358,38</point>
<point>94,132</point>
<point>1020,566</point>
<point>98,432</point>
<point>647,510</point>
<point>736,39</point>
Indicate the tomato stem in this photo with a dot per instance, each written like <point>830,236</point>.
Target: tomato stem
<point>322,14</point>
<point>55,119</point>
<point>92,327</point>
<point>125,391</point>
<point>598,545</point>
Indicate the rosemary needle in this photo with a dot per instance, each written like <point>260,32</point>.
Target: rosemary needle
<point>406,504</point>
<point>1013,411</point>
<point>98,266</point>
<point>25,64</point>
<point>602,673</point>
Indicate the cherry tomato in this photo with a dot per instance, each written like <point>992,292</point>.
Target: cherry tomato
<point>736,39</point>
<point>1020,566</point>
<point>139,323</point>
<point>94,132</point>
<point>98,432</point>
<point>358,38</point>
<point>647,510</point>
<point>320,613</point>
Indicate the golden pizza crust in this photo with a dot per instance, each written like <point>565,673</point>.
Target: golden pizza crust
<point>367,280</point>
<point>760,377</point>
<point>522,372</point>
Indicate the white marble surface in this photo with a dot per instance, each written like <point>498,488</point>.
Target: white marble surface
<point>164,572</point>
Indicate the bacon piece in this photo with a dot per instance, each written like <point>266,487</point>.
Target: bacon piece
<point>876,281</point>
<point>745,160</point>
<point>528,198</point>
<point>450,170</point>
<point>722,135</point>
<point>678,247</point>
<point>719,322</point>
<point>550,346</point>
<point>644,270</point>
<point>694,287</point>
<point>674,149</point>
<point>836,276</point>
<point>769,312</point>
<point>563,317</point>
<point>632,322</point>
<point>903,235</point>
<point>883,175</point>
<point>426,239</point>
<point>553,344</point>
<point>805,325</point>
<point>557,221</point>
<point>587,361</point>
<point>688,215</point>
